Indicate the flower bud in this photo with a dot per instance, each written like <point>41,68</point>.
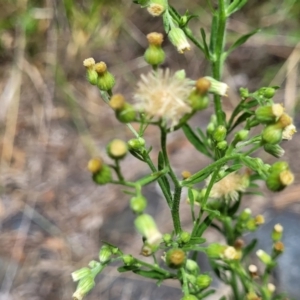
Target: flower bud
<point>215,250</point>
<point>280,177</point>
<point>244,93</point>
<point>230,253</point>
<point>138,204</point>
<point>274,150</point>
<point>245,214</point>
<point>103,176</point>
<point>210,128</point>
<point>156,7</point>
<point>175,258</point>
<point>128,260</point>
<point>279,166</point>
<point>83,287</point>
<point>136,144</point>
<point>191,265</point>
<point>198,101</point>
<point>126,114</point>
<point>217,87</point>
<point>186,174</point>
<point>285,120</point>
<point>277,232</point>
<point>203,281</point>
<point>105,253</point>
<point>91,74</point>
<point>154,54</point>
<point>253,271</point>
<point>95,165</point>
<point>106,80</point>
<point>167,238</point>
<point>117,102</point>
<point>184,237</point>
<point>203,85</point>
<point>147,227</point>
<point>269,113</point>
<point>240,136</point>
<point>178,39</point>
<point>259,220</point>
<point>116,149</point>
<point>272,134</point>
<point>220,133</point>
<point>278,247</point>
<point>264,257</point>
<point>271,288</point>
<point>268,92</point>
<point>81,273</point>
<point>222,145</point>
<point>251,225</point>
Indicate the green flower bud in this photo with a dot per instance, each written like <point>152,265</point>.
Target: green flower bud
<point>220,133</point>
<point>215,250</point>
<point>210,128</point>
<point>154,54</point>
<point>278,248</point>
<point>189,297</point>
<point>178,39</point>
<point>146,226</point>
<point>116,149</point>
<point>198,101</point>
<point>105,253</point>
<point>251,225</point>
<point>126,114</point>
<point>106,80</point>
<point>184,237</point>
<point>203,281</point>
<point>191,265</point>
<point>94,264</point>
<point>128,260</point>
<point>264,257</point>
<point>167,238</point>
<point>274,150</point>
<point>217,87</point>
<point>272,134</point>
<point>245,214</point>
<point>222,145</point>
<point>81,273</point>
<point>268,92</point>
<point>240,136</point>
<point>269,113</point>
<point>156,7</point>
<point>279,166</point>
<point>277,232</point>
<point>244,93</point>
<point>103,176</point>
<point>137,144</point>
<point>83,287</point>
<point>91,74</point>
<point>175,258</point>
<point>138,204</point>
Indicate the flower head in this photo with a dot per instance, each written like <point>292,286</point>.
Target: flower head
<point>228,188</point>
<point>161,95</point>
<point>288,132</point>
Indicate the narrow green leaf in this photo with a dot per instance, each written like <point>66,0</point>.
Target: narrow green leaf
<point>241,119</point>
<point>150,274</point>
<point>123,269</point>
<point>249,248</point>
<point>206,294</point>
<point>240,41</point>
<point>197,240</point>
<point>195,179</point>
<point>194,139</point>
<point>206,49</point>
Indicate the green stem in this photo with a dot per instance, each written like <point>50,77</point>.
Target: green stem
<point>218,57</point>
<point>178,189</point>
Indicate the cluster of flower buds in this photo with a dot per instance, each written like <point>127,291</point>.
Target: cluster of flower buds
<point>97,74</point>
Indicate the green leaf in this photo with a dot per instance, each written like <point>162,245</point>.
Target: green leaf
<point>123,269</point>
<point>195,178</point>
<point>150,274</point>
<point>197,240</point>
<point>206,50</point>
<point>249,248</point>
<point>206,294</point>
<point>235,6</point>
<point>240,41</point>
<point>194,139</point>
<point>241,119</point>
<point>166,22</point>
<point>151,177</point>
<point>136,155</point>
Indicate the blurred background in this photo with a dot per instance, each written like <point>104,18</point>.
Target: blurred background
<point>52,121</point>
